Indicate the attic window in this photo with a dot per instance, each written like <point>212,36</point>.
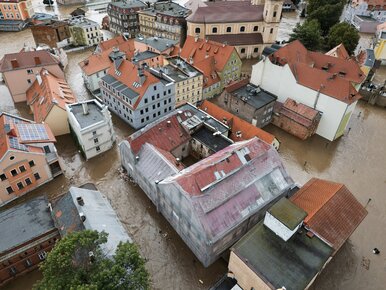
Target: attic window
<point>342,73</point>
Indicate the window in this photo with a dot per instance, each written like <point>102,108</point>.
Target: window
<point>155,88</point>
<point>28,263</point>
<point>42,255</point>
<point>94,133</point>
<point>13,172</point>
<point>229,29</point>
<point>31,163</point>
<point>20,185</point>
<point>22,168</point>
<point>154,115</point>
<point>214,30</point>
<point>3,177</point>
<point>242,50</point>
<point>9,189</point>
<point>30,71</point>
<point>28,181</point>
<point>169,91</point>
<point>152,98</point>
<point>37,176</point>
<point>142,120</point>
<point>242,28</point>
<point>13,270</point>
<point>141,112</point>
<point>97,149</point>
<point>145,100</point>
<point>256,28</point>
<point>256,50</point>
<point>271,31</point>
<point>274,14</point>
<point>197,30</point>
<point>29,81</point>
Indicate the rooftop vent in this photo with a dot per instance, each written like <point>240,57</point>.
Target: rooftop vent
<point>80,200</point>
<point>168,123</point>
<point>82,216</point>
<point>85,108</point>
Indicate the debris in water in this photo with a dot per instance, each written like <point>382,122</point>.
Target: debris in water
<point>365,263</point>
<point>202,282</point>
<point>376,251</point>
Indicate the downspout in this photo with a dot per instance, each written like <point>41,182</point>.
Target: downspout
<point>318,95</point>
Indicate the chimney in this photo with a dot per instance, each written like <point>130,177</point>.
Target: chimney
<point>191,60</point>
<point>86,62</point>
<point>14,63</point>
<point>168,123</point>
<point>85,108</point>
<point>196,38</point>
<point>80,200</point>
<point>37,60</point>
<point>82,216</point>
<point>39,79</point>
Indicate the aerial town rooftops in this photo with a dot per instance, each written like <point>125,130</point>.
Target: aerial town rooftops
<point>20,134</point>
<point>329,75</point>
<point>333,211</point>
<point>251,94</point>
<point>158,43</point>
<point>87,113</point>
<point>227,12</point>
<point>22,223</point>
<point>26,59</point>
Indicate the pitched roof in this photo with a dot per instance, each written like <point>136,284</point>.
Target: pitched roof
<point>238,39</point>
<point>292,264</point>
<point>99,61</point>
<point>208,69</point>
<point>128,77</point>
<point>339,51</point>
<point>236,124</point>
<point>26,59</point>
<point>331,75</point>
<point>199,49</point>
<point>227,12</point>
<point>113,42</point>
<point>52,91</point>
<point>163,135</point>
<point>18,134</point>
<point>25,222</point>
<point>333,212</point>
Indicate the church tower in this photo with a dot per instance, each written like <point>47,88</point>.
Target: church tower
<point>272,16</point>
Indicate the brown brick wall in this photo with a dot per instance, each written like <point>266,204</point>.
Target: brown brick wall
<point>49,35</point>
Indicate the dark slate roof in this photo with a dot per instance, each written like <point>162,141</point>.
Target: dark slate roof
<point>24,222</point>
<point>238,39</point>
<point>128,4</point>
<point>66,215</point>
<point>287,213</point>
<point>122,88</point>
<point>292,264</point>
<point>214,142</point>
<point>144,55</point>
<point>254,96</point>
<point>158,43</point>
<point>370,58</point>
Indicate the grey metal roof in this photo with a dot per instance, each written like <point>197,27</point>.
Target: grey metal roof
<point>130,93</point>
<point>144,55</point>
<point>288,213</point>
<point>254,96</point>
<point>158,43</point>
<point>128,4</point>
<point>370,58</point>
<point>93,116</point>
<point>291,264</point>
<point>99,214</point>
<point>109,79</point>
<point>24,222</point>
<point>122,88</point>
<point>215,142</point>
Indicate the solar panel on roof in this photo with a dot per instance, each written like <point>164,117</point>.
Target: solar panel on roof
<point>32,132</point>
<point>14,143</point>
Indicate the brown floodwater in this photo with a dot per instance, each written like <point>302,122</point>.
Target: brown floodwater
<point>357,159</point>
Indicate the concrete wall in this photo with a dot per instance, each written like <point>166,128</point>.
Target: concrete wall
<point>246,278</point>
<point>20,80</point>
<point>14,160</point>
<point>189,90</point>
<point>266,75</point>
<point>278,227</point>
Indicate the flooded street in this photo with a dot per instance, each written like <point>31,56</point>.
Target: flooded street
<point>357,159</point>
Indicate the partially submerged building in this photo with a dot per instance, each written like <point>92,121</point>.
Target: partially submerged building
<point>210,189</point>
<point>90,123</point>
<point>28,233</point>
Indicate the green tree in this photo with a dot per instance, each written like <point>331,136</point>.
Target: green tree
<point>309,34</point>
<point>343,33</point>
<point>77,262</point>
<point>326,12</point>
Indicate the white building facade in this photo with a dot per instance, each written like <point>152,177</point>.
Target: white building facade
<point>90,122</point>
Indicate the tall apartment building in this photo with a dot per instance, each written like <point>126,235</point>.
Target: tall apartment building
<point>84,32</point>
<point>164,19</point>
<point>15,14</point>
<point>90,123</point>
<point>187,79</point>
<point>136,95</point>
<point>123,16</point>
<point>247,25</point>
<point>28,156</point>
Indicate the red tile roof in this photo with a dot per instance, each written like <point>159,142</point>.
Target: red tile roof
<point>236,124</point>
<point>51,92</point>
<point>298,112</point>
<point>10,128</point>
<point>114,42</point>
<point>26,59</point>
<point>331,75</point>
<point>238,39</point>
<point>162,135</point>
<point>333,212</point>
<point>208,69</point>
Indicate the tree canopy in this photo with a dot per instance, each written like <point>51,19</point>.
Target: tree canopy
<point>326,12</point>
<point>309,34</point>
<point>343,33</point>
<point>77,262</point>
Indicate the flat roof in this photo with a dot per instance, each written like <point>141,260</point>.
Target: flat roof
<point>287,213</point>
<point>159,43</point>
<point>167,8</point>
<point>144,55</point>
<point>94,113</point>
<point>184,66</point>
<point>215,142</point>
<point>292,264</point>
<point>128,4</point>
<point>24,222</point>
<point>254,96</point>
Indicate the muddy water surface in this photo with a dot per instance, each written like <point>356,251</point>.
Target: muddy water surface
<point>357,159</point>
